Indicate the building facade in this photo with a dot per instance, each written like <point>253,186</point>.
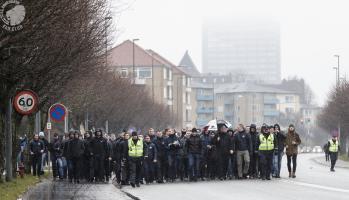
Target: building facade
<point>248,48</point>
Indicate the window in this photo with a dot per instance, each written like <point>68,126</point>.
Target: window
<point>165,92</point>
<point>289,99</point>
<point>289,110</point>
<point>187,115</point>
<point>169,75</point>
<point>169,92</point>
<point>144,72</point>
<point>165,73</point>
<point>124,73</point>
<point>187,97</point>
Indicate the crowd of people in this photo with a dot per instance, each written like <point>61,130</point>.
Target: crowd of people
<point>132,158</point>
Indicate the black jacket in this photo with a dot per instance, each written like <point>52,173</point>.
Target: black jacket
<point>76,148</point>
<point>99,147</point>
<point>56,148</point>
<point>160,146</point>
<point>280,139</point>
<point>152,151</point>
<point>194,144</point>
<point>242,141</point>
<point>172,145</point>
<point>36,147</point>
<point>223,144</point>
<point>254,137</point>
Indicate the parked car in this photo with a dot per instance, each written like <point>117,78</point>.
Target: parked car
<point>317,149</point>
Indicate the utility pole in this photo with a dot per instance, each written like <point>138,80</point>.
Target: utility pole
<point>133,60</point>
<point>338,86</point>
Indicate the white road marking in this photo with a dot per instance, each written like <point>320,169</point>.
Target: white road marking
<point>317,186</point>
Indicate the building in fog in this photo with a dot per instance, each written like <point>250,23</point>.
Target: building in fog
<point>248,48</point>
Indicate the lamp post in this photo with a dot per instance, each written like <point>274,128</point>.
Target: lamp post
<point>133,60</point>
<point>106,57</point>
<point>337,86</point>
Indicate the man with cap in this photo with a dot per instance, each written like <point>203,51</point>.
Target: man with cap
<point>136,150</point>
<point>333,148</point>
<point>291,143</point>
<point>224,148</point>
<point>44,154</point>
<point>99,149</point>
<point>266,144</point>
<point>194,149</point>
<point>254,158</point>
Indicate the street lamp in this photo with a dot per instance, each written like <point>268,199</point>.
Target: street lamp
<point>133,59</point>
<point>338,84</point>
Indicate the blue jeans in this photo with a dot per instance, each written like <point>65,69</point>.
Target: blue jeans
<point>64,167</point>
<point>277,160</point>
<point>60,167</point>
<point>172,166</point>
<point>194,164</point>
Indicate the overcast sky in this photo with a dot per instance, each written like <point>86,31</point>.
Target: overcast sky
<point>312,32</point>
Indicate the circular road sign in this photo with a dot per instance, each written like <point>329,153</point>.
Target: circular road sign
<point>26,102</point>
<point>57,112</point>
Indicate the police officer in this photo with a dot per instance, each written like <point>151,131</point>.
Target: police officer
<point>266,146</point>
<point>333,148</point>
<point>150,161</point>
<point>137,149</point>
<point>36,147</point>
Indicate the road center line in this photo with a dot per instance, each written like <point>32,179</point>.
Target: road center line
<point>317,186</point>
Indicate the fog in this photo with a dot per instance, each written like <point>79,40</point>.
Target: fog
<point>312,32</point>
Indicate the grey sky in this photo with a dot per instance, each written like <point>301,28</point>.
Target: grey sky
<point>312,31</point>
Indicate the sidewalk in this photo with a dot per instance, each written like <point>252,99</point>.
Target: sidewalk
<point>49,190</point>
<point>339,164</point>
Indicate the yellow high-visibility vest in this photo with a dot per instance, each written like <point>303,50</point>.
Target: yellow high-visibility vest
<point>266,144</point>
<point>333,146</point>
<point>135,150</point>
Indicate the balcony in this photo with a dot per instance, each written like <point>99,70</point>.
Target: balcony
<point>228,115</point>
<point>204,97</point>
<point>270,100</point>
<point>271,113</point>
<point>204,110</point>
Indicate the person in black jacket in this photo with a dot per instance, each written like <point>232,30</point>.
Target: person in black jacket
<point>224,148</point>
<point>116,157</point>
<point>56,157</point>
<point>99,149</point>
<point>107,159</point>
<point>172,145</point>
<point>65,159</point>
<point>150,161</point>
<point>206,148</point>
<point>161,167</point>
<point>254,158</point>
<point>243,148</point>
<point>88,157</point>
<point>76,149</point>
<point>125,169</point>
<point>194,149</point>
<point>277,158</point>
<point>36,147</point>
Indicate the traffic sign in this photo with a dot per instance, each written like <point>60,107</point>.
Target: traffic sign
<point>26,102</point>
<point>48,126</point>
<point>57,112</point>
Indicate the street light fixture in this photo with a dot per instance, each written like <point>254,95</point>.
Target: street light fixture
<point>338,84</point>
<point>133,59</point>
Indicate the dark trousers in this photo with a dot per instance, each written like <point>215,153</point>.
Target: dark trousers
<point>74,168</point>
<point>135,169</point>
<point>333,157</point>
<point>183,166</point>
<point>266,161</point>
<point>172,166</point>
<point>54,166</point>
<point>149,170</point>
<point>117,168</point>
<point>293,159</point>
<point>223,162</point>
<point>194,165</point>
<point>107,168</point>
<point>89,168</point>
<point>254,165</point>
<point>212,167</point>
<point>98,162</point>
<point>161,168</point>
<point>36,164</point>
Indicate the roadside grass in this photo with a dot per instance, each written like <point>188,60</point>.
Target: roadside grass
<point>344,157</point>
<point>12,190</point>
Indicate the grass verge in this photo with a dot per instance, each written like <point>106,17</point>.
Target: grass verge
<point>11,190</point>
<point>344,157</point>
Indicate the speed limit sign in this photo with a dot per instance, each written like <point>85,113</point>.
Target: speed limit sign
<point>25,102</point>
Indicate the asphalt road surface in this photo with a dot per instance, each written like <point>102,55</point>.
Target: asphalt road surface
<point>314,181</point>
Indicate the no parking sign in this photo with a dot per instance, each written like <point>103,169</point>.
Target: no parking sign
<point>58,112</point>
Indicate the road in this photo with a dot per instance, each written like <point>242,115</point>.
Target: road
<point>314,181</point>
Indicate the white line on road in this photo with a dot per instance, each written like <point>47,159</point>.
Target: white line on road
<point>317,186</point>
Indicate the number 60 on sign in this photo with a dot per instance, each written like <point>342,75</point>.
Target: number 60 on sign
<point>25,102</point>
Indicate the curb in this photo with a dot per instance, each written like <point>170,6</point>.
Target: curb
<point>321,163</point>
<point>126,193</point>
